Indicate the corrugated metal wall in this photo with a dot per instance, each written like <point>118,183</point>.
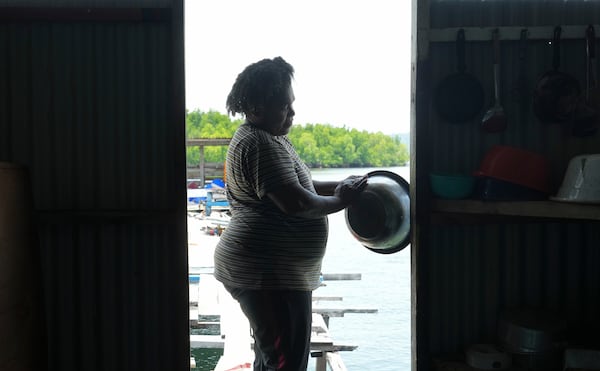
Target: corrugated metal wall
<point>95,110</point>
<point>474,271</point>
<point>461,147</point>
<point>88,3</point>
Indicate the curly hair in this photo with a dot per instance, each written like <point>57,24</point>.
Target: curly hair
<point>261,84</point>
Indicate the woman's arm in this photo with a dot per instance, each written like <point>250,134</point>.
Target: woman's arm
<point>295,200</point>
<point>325,188</point>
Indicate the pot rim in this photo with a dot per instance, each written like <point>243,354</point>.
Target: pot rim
<point>371,242</point>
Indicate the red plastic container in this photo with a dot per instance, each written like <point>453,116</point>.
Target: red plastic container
<point>518,166</point>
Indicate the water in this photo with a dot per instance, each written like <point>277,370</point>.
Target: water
<point>383,338</point>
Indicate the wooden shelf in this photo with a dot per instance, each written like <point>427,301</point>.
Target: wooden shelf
<point>530,209</point>
<point>507,33</point>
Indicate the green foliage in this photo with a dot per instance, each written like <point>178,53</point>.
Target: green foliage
<point>319,145</point>
<point>209,124</point>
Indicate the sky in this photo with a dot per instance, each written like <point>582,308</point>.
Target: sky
<point>351,58</point>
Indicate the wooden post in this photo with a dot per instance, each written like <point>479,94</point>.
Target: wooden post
<point>22,325</point>
<point>321,364</point>
<point>201,165</point>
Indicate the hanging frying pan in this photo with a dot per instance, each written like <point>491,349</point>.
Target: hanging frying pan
<point>556,94</point>
<point>458,98</point>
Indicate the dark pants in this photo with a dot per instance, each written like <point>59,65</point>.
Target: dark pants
<point>281,323</point>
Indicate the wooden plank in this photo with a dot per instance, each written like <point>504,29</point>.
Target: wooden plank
<point>342,277</point>
<point>512,33</point>
<point>209,173</point>
<point>204,325</point>
<point>103,217</point>
<point>340,312</point>
<point>334,360</point>
<point>531,209</point>
<point>320,341</point>
<point>318,324</point>
<point>333,347</point>
<point>206,341</point>
<point>84,14</point>
<point>207,142</point>
<point>321,363</point>
<point>328,298</point>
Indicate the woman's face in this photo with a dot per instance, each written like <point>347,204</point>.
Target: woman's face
<point>278,118</point>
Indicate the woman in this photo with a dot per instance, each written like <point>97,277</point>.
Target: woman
<point>269,257</point>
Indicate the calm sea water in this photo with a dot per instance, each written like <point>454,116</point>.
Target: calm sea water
<point>383,338</point>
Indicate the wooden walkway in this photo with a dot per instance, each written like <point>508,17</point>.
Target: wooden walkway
<point>209,298</point>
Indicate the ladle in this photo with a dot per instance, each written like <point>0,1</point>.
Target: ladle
<point>494,119</point>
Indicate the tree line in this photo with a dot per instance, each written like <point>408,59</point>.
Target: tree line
<point>318,145</point>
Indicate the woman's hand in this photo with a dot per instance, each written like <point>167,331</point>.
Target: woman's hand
<point>349,188</point>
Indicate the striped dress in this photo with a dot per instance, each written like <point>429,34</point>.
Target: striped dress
<point>263,248</point>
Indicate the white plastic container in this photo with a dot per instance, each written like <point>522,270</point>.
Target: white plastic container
<point>581,182</point>
<point>487,357</point>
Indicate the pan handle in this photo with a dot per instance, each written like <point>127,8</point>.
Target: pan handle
<point>590,49</point>
<point>523,45</point>
<point>496,45</point>
<point>556,48</point>
<point>591,40</point>
<point>461,65</point>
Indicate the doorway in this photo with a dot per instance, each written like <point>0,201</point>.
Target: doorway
<point>352,65</point>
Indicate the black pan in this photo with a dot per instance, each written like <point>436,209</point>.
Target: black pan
<point>459,97</point>
<point>557,94</point>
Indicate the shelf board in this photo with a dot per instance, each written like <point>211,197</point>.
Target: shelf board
<point>531,209</point>
<point>508,33</point>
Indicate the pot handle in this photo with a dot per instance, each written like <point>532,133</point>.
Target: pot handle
<point>556,48</point>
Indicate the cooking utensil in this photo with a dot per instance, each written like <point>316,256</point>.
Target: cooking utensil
<point>521,90</point>
<point>586,119</point>
<point>458,98</point>
<point>530,331</point>
<point>380,218</point>
<point>494,119</point>
<point>557,94</point>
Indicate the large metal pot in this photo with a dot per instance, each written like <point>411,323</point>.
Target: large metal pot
<point>380,218</point>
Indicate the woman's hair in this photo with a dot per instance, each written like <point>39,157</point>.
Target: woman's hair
<point>261,84</point>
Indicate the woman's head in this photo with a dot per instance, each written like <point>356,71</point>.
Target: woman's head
<point>263,93</point>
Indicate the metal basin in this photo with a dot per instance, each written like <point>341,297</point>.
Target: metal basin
<point>531,332</point>
<point>380,218</point>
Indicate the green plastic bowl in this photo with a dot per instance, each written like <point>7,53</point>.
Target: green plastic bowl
<point>452,186</point>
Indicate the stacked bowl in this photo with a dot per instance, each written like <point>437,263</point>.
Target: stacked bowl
<point>509,173</point>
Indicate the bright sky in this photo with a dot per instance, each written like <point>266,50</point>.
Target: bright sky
<point>352,58</point>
